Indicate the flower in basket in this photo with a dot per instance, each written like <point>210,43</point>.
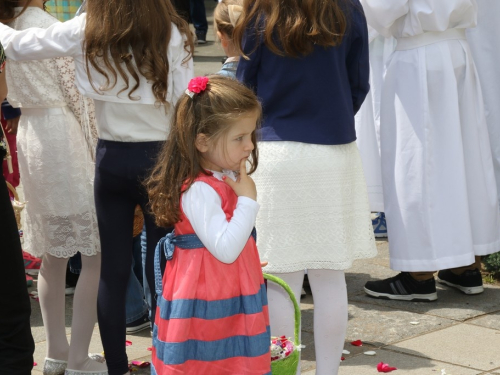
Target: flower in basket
<point>281,348</point>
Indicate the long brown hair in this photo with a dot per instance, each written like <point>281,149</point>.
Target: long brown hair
<point>292,27</point>
<point>132,36</point>
<point>212,112</point>
<point>8,13</point>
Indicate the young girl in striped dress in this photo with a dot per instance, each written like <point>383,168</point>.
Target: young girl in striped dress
<point>212,315</point>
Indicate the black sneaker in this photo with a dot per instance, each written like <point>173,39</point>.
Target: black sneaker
<point>201,37</point>
<point>402,287</point>
<point>470,282</point>
<point>139,325</point>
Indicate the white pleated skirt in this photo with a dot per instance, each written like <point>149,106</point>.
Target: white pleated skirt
<point>314,210</point>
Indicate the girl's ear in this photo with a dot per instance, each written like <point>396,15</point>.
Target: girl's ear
<point>224,38</point>
<point>201,142</point>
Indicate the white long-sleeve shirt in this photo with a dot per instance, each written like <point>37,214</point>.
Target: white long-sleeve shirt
<point>224,239</point>
<point>118,117</point>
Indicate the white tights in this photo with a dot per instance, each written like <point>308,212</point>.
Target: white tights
<point>51,285</point>
<point>330,313</point>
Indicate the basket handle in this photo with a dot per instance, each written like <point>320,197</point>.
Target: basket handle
<point>296,306</point>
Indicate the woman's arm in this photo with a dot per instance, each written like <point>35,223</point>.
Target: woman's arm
<point>248,68</point>
<point>58,40</point>
<point>225,240</point>
<point>3,81</point>
<point>357,62</point>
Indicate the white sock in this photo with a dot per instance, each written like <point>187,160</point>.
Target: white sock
<point>330,314</point>
<point>51,285</point>
<point>330,318</point>
<point>85,316</point>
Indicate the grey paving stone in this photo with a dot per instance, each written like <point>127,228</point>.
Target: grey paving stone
<point>406,364</point>
<point>488,321</point>
<point>462,344</point>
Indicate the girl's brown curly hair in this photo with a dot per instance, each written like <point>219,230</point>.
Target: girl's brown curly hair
<point>212,112</point>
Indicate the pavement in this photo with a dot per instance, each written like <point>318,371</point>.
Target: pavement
<point>455,335</point>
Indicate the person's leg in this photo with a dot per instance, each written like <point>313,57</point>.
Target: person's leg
<point>154,234</point>
<point>135,308</point>
<point>51,283</point>
<point>115,215</point>
<point>199,19</point>
<point>85,316</point>
<point>16,341</point>
<point>330,318</point>
<point>467,279</point>
<point>281,311</point>
<point>145,284</point>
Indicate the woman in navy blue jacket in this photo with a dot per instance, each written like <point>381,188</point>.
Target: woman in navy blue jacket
<point>308,62</point>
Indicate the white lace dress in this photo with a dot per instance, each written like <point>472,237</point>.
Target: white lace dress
<point>54,159</point>
<point>314,211</point>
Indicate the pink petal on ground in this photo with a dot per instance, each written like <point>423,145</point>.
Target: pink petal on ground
<point>128,343</point>
<point>384,367</point>
<point>140,364</point>
<point>34,363</point>
<point>357,343</point>
<point>150,349</point>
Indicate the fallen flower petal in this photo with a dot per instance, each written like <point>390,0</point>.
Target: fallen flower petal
<point>342,359</point>
<point>357,343</point>
<point>128,343</point>
<point>371,352</point>
<point>34,363</point>
<point>140,364</point>
<point>346,352</point>
<point>150,349</point>
<point>414,323</point>
<point>384,367</point>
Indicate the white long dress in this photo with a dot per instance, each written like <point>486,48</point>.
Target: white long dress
<point>439,186</point>
<point>485,45</point>
<point>367,120</point>
<point>54,160</point>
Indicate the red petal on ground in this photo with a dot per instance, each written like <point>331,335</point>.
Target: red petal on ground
<point>357,343</point>
<point>140,364</point>
<point>34,363</point>
<point>384,367</point>
<point>342,358</point>
<point>150,349</point>
<point>128,343</point>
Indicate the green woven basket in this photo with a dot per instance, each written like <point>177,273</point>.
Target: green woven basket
<point>288,365</point>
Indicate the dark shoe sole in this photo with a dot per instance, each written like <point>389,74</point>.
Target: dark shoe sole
<point>408,297</point>
<point>469,290</point>
<point>138,328</point>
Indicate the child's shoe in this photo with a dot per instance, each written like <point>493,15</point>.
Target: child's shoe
<point>29,281</point>
<point>54,367</point>
<point>31,264</point>
<point>379,225</point>
<point>138,325</point>
<point>469,282</point>
<point>402,287</point>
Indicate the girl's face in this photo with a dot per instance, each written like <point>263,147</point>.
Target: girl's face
<point>228,151</point>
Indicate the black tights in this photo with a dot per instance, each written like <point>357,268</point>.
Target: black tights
<point>120,169</point>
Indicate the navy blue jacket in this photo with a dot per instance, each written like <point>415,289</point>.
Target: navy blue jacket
<point>310,99</point>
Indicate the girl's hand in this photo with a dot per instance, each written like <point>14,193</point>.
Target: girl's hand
<point>263,264</point>
<point>244,186</point>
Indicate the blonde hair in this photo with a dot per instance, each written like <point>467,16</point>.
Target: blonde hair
<point>226,15</point>
<point>212,113</point>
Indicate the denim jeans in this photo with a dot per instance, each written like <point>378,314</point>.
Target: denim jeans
<point>198,15</point>
<point>135,306</point>
<point>147,290</point>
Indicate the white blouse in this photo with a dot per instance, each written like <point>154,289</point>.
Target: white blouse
<point>405,18</point>
<point>202,206</point>
<point>118,117</point>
